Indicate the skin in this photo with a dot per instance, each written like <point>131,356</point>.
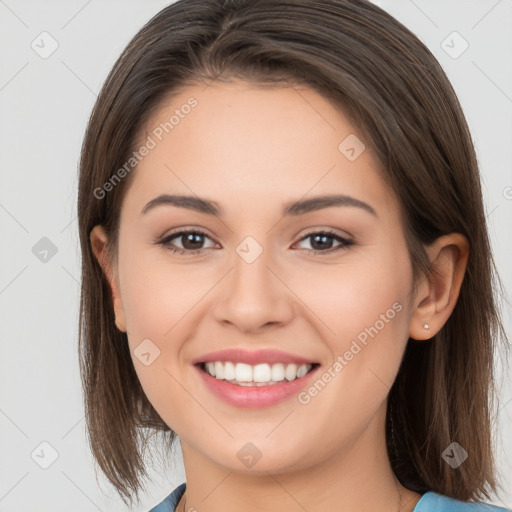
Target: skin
<point>251,150</point>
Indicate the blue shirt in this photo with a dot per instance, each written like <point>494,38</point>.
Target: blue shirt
<point>429,502</point>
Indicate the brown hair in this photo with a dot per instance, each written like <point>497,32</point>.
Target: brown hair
<point>395,91</point>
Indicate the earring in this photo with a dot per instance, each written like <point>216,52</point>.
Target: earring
<point>426,326</point>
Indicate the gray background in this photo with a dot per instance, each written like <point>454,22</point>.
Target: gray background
<point>45,104</point>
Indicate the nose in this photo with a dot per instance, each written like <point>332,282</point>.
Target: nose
<point>253,297</point>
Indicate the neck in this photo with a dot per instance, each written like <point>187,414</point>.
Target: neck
<point>357,477</point>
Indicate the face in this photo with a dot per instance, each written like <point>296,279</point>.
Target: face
<point>324,283</point>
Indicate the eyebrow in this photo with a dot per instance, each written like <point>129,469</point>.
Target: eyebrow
<point>293,208</point>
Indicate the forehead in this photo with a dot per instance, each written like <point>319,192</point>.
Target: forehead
<point>249,146</point>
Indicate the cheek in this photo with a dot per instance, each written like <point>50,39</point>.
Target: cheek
<point>161,302</point>
<point>157,296</point>
<point>363,297</point>
<point>159,306</point>
<point>362,313</point>
<point>366,310</point>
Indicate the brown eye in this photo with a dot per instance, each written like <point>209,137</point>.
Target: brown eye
<point>191,241</point>
<point>322,241</point>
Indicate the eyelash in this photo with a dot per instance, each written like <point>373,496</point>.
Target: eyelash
<point>345,243</point>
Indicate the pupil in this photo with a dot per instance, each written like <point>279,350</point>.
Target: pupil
<point>326,240</point>
<point>192,241</point>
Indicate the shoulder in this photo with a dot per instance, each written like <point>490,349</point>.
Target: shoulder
<point>170,503</point>
<point>433,502</point>
<point>429,502</point>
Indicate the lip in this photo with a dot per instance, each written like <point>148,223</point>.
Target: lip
<point>252,357</point>
<point>254,397</point>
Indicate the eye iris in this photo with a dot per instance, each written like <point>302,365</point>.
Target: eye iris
<point>192,240</point>
<point>324,243</point>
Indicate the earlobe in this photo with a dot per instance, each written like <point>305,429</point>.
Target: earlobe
<point>119,317</point>
<point>436,298</point>
<point>98,239</point>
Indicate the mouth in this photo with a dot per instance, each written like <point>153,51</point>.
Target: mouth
<point>258,375</point>
<point>256,386</point>
<point>254,379</point>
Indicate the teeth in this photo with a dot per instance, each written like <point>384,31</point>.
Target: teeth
<point>243,372</point>
<point>219,369</point>
<point>277,372</point>
<point>290,372</point>
<point>262,373</point>
<point>229,371</point>
<point>210,368</point>
<point>302,370</point>
<point>258,375</point>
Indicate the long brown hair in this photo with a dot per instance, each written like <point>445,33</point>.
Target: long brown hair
<point>395,91</point>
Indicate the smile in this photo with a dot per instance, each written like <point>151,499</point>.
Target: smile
<point>264,374</point>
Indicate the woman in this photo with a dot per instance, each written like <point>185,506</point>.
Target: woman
<point>286,264</point>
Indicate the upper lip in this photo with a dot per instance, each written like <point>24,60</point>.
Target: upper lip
<point>252,357</point>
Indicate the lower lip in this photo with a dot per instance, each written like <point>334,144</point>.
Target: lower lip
<point>255,396</point>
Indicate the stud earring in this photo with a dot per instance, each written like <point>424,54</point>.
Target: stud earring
<point>426,326</point>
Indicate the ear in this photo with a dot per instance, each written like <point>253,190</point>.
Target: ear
<point>98,239</point>
<point>436,299</point>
